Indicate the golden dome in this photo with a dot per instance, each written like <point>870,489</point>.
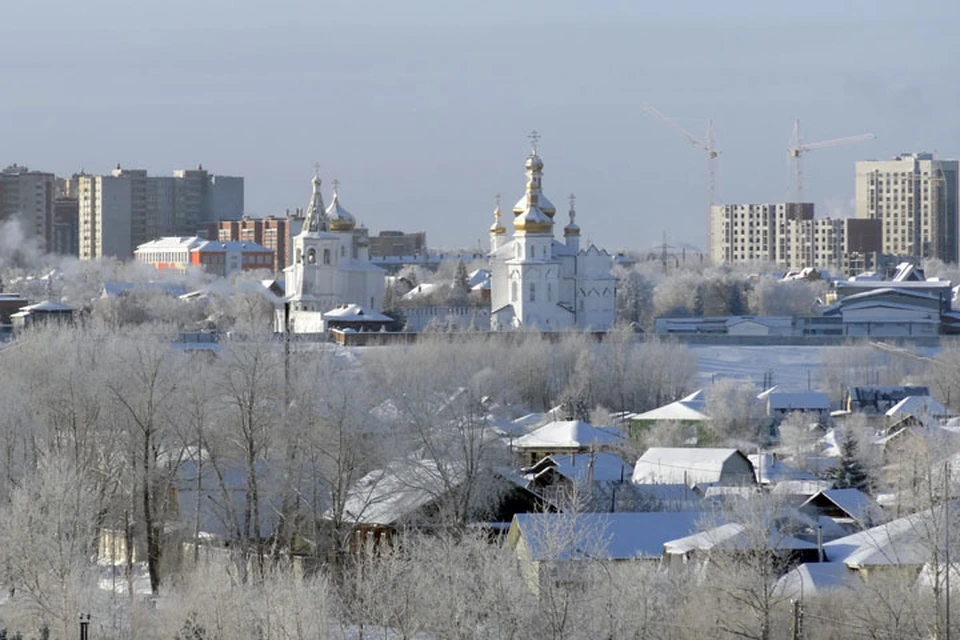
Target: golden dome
<point>340,218</point>
<point>533,220</point>
<point>497,226</point>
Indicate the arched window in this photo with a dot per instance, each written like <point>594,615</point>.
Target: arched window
<point>312,256</point>
<point>513,291</point>
<point>533,292</point>
<point>326,256</point>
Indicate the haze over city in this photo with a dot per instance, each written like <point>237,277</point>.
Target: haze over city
<point>422,110</point>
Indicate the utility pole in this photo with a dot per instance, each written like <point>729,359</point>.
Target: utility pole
<point>797,630</point>
<point>946,545</point>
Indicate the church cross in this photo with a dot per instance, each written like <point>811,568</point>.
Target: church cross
<point>534,138</point>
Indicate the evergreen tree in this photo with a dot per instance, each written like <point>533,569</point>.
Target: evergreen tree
<point>698,301</point>
<point>461,284</point>
<point>737,305</point>
<point>849,473</point>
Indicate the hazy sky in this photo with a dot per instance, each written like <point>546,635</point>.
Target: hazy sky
<point>422,109</point>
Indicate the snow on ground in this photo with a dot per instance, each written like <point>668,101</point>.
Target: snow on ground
<point>787,366</point>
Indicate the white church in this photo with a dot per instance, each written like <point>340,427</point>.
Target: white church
<point>542,283</point>
<point>331,265</point>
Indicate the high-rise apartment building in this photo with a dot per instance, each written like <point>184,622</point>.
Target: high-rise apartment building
<point>785,234</point>
<point>743,233</point>
<point>29,196</point>
<point>915,198</point>
<point>154,206</point>
<point>789,236</point>
<point>105,204</point>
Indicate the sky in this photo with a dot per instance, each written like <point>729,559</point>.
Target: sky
<point>421,109</point>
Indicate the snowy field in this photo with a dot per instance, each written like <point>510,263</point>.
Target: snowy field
<point>791,367</point>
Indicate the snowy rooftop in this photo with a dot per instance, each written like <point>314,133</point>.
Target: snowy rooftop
<point>902,541</point>
<point>570,434</point>
<point>918,406</point>
<point>612,536</point>
<point>600,467</point>
<point>355,313</point>
<point>853,502</point>
<point>688,409</point>
<point>816,578</point>
<point>733,536</point>
<point>806,400</point>
<point>676,465</point>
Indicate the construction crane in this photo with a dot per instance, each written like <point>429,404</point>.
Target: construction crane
<point>798,148</point>
<point>707,145</point>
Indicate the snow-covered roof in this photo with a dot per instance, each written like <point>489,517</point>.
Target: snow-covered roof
<point>683,465</point>
<point>570,434</point>
<point>172,243</point>
<point>816,578</point>
<point>801,487</point>
<point>611,536</point>
<point>231,246</point>
<point>908,540</point>
<point>853,502</point>
<point>804,400</point>
<point>918,406</point>
<point>420,290</point>
<point>385,496</point>
<point>733,536</point>
<point>355,313</point>
<point>47,306</point>
<point>600,467</point>
<point>768,469</point>
<point>688,409</point>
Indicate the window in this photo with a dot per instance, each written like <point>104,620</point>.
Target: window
<point>311,256</point>
<point>549,292</point>
<point>326,256</point>
<point>342,251</point>
<point>533,292</point>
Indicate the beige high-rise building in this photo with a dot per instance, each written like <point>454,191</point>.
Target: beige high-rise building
<point>105,216</point>
<point>29,196</point>
<point>915,198</point>
<point>785,234</point>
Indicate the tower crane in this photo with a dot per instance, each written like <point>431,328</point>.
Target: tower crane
<point>707,145</point>
<point>797,148</point>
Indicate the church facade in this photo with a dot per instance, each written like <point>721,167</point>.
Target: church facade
<point>539,282</point>
<point>331,265</point>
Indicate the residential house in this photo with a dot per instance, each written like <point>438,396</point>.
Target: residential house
<point>876,400</point>
<point>693,466</point>
<point>557,549</point>
<point>566,437</point>
<point>852,509</point>
<point>687,413</point>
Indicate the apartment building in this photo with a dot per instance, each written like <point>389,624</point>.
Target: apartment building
<point>789,236</point>
<point>105,219</point>
<point>915,198</point>
<point>743,233</point>
<point>29,196</point>
<point>271,232</point>
<point>151,207</point>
